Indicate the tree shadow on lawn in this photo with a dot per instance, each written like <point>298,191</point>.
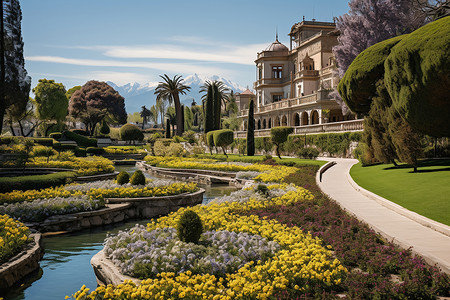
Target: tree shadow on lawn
<point>443,163</point>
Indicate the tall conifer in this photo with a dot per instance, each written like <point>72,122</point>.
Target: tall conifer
<point>251,130</point>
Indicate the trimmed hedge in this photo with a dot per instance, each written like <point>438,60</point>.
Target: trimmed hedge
<point>43,141</point>
<point>80,152</point>
<point>55,135</point>
<point>223,138</point>
<point>80,132</point>
<point>130,132</point>
<point>58,146</point>
<point>81,140</point>
<point>32,182</point>
<point>95,150</point>
<point>279,135</point>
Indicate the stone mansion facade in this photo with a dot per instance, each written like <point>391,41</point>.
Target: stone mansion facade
<point>293,84</point>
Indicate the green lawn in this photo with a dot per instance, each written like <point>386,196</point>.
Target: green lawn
<point>426,192</point>
<point>256,158</point>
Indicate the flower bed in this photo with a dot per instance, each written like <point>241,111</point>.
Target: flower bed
<point>300,262</point>
<point>373,261</point>
<point>123,150</point>
<point>267,173</point>
<point>41,209</point>
<point>13,235</point>
<point>100,190</point>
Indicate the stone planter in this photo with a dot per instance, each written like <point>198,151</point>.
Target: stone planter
<point>106,272</point>
<point>22,264</point>
<point>119,210</point>
<point>96,177</point>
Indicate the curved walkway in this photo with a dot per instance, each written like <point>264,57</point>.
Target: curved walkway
<point>432,245</point>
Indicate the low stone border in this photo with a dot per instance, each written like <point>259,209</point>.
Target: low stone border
<point>122,156</point>
<point>96,177</point>
<point>107,272</point>
<point>323,169</point>
<point>22,264</point>
<point>32,171</point>
<point>442,228</point>
<point>194,175</point>
<point>118,210</point>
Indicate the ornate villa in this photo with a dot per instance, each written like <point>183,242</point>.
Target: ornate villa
<point>293,84</point>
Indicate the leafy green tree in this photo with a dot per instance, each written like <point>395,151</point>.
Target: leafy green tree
<point>134,118</point>
<point>417,76</point>
<point>172,88</point>
<point>279,135</point>
<point>51,102</point>
<point>17,114</point>
<point>130,132</point>
<point>70,91</point>
<point>95,101</point>
<point>251,130</point>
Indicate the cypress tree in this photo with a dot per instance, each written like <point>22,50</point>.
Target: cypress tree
<point>251,131</point>
<point>209,110</point>
<point>167,129</point>
<point>217,106</point>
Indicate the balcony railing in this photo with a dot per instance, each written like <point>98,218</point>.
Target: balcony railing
<point>344,126</point>
<point>271,81</point>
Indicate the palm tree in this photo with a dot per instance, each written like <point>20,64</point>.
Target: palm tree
<point>154,116</point>
<point>171,116</point>
<point>171,89</point>
<point>145,114</point>
<point>161,107</point>
<point>212,103</point>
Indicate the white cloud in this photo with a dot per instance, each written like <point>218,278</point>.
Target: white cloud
<point>244,55</point>
<point>179,68</point>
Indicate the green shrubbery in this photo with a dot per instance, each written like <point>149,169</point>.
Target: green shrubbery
<point>308,152</point>
<point>34,182</point>
<point>64,147</point>
<point>222,138</point>
<point>137,178</point>
<point>189,227</point>
<point>123,178</point>
<point>210,140</point>
<point>95,150</point>
<point>55,135</point>
<point>130,132</point>
<point>164,147</point>
<point>81,140</point>
<point>279,135</point>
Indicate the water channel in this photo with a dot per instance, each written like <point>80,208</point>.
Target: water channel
<point>66,266</point>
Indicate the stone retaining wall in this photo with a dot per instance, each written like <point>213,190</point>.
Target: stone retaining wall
<point>118,210</point>
<point>96,177</point>
<point>22,264</point>
<point>108,273</point>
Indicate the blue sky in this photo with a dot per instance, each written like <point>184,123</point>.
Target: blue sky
<point>138,40</point>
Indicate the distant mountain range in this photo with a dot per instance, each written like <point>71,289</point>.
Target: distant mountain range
<point>137,95</point>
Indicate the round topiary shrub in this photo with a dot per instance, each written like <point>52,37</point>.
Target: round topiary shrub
<point>130,132</point>
<point>95,150</point>
<point>138,178</point>
<point>189,227</point>
<point>104,129</point>
<point>123,178</point>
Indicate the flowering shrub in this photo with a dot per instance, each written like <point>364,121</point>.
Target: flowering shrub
<point>300,261</point>
<point>100,190</point>
<point>267,173</point>
<point>13,235</point>
<point>82,165</point>
<point>40,209</point>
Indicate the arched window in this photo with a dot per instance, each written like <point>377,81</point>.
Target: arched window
<point>270,123</point>
<point>284,121</point>
<point>296,119</point>
<point>264,124</point>
<point>259,124</point>
<point>277,122</point>
<point>305,118</point>
<point>315,117</point>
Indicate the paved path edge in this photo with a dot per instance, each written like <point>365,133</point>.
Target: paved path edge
<point>429,257</point>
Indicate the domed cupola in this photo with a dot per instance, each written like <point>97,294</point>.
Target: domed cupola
<point>277,47</point>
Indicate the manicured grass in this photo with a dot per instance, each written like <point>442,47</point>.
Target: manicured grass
<point>257,158</point>
<point>426,192</point>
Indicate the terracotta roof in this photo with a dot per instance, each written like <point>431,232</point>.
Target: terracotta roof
<point>247,92</point>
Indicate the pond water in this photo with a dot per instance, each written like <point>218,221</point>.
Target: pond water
<point>66,266</point>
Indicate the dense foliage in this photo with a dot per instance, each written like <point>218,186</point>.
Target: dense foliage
<point>137,178</point>
<point>81,140</point>
<point>417,78</point>
<point>223,138</point>
<point>123,178</point>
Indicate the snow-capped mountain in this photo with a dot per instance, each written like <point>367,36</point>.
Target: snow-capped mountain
<point>137,95</point>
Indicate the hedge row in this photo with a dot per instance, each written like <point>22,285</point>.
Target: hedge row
<point>81,140</point>
<point>23,183</point>
<point>6,140</point>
